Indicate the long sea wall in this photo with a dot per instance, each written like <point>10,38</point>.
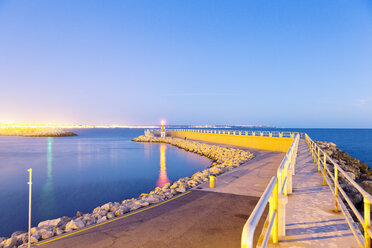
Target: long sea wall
<point>279,144</point>
<point>223,159</point>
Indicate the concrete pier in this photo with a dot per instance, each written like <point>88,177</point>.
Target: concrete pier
<point>214,217</point>
<point>202,218</point>
<point>310,219</point>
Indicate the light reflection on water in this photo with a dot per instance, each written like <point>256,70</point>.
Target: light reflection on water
<point>47,194</point>
<point>163,177</point>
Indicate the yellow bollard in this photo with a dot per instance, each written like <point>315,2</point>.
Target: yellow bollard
<point>211,181</point>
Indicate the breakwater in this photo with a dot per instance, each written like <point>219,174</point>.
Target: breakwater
<point>35,132</point>
<point>223,159</point>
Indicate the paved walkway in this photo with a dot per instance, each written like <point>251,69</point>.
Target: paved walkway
<point>201,218</point>
<point>310,220</point>
<point>207,217</point>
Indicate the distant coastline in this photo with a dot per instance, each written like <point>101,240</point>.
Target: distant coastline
<point>35,132</point>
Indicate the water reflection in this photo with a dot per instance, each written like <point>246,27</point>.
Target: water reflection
<point>163,178</point>
<point>47,195</point>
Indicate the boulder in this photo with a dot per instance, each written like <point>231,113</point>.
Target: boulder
<point>22,238</point>
<point>34,238</point>
<point>59,231</point>
<point>181,189</point>
<point>9,243</point>
<point>110,215</point>
<point>107,206</point>
<point>153,200</point>
<point>54,222</point>
<point>96,210</point>
<point>75,224</point>
<point>103,219</point>
<point>144,203</point>
<point>367,185</point>
<point>118,212</point>
<point>353,194</point>
<point>46,234</point>
<point>134,206</point>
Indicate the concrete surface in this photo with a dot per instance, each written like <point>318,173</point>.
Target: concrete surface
<point>202,218</point>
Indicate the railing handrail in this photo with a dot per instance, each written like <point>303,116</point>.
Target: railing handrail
<point>279,183</point>
<point>254,218</point>
<point>256,133</point>
<point>355,184</point>
<point>367,198</point>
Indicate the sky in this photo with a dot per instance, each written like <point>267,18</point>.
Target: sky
<point>279,63</point>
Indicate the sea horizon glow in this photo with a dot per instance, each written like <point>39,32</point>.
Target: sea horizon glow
<point>283,64</point>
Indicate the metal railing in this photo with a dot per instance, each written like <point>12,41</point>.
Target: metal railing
<point>276,195</point>
<point>332,179</point>
<point>240,132</point>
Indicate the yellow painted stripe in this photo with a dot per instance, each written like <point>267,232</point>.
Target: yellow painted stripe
<point>112,220</point>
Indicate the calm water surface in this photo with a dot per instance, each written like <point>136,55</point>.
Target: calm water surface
<point>80,173</point>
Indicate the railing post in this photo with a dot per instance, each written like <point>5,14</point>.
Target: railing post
<point>281,202</point>
<point>314,152</point>
<point>318,159</point>
<point>324,169</point>
<point>275,235</point>
<point>289,181</point>
<point>336,188</point>
<point>367,222</point>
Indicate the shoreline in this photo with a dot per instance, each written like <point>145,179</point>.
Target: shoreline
<point>36,132</point>
<point>223,160</point>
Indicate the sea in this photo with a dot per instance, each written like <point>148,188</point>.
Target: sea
<point>71,174</point>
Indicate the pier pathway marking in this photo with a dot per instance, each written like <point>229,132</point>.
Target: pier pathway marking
<point>202,218</point>
<point>310,220</point>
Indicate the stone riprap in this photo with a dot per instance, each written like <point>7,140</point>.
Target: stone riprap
<point>223,159</point>
<point>357,170</point>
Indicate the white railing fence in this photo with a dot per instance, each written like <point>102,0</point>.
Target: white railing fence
<point>276,195</point>
<point>240,132</point>
<point>325,163</point>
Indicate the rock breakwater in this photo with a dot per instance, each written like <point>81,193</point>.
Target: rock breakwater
<point>357,170</point>
<point>223,159</point>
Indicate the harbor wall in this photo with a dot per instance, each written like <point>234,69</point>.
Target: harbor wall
<point>257,142</point>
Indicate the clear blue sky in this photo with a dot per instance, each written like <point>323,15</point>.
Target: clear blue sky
<point>282,63</point>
